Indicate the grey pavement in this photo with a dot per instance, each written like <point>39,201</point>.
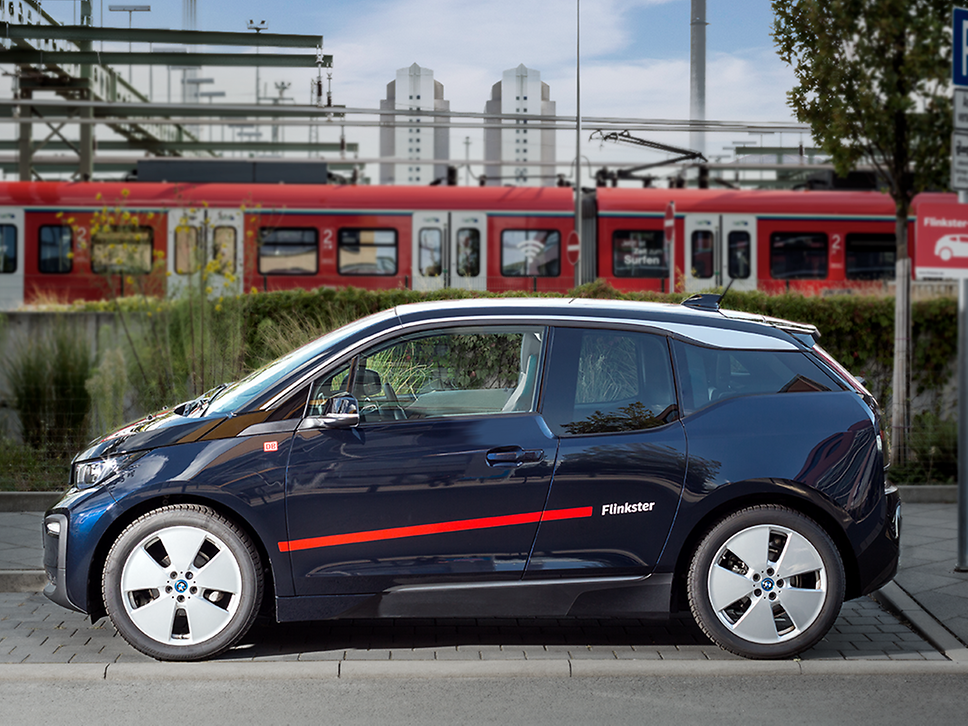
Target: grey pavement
<point>922,617</point>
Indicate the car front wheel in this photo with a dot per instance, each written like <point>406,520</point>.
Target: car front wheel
<point>766,582</point>
<point>182,583</point>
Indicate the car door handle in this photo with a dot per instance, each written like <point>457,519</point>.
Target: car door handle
<point>513,456</point>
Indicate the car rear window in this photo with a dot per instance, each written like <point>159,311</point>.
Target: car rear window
<point>708,375</point>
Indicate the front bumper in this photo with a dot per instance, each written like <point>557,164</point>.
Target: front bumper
<point>55,536</point>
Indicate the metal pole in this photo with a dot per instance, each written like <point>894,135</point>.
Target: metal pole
<point>962,564</point>
<point>85,167</point>
<point>578,275</point>
<point>697,73</point>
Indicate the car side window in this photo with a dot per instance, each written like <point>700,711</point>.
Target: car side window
<point>708,375</point>
<point>443,373</point>
<point>604,381</point>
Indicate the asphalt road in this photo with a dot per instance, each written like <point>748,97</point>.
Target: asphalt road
<point>721,700</point>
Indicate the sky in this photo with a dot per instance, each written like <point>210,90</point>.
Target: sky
<point>634,59</point>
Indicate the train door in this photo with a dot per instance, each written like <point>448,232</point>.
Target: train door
<point>738,246</point>
<point>720,249</point>
<point>468,250</point>
<point>205,251</point>
<point>430,235</point>
<point>11,258</point>
<point>449,250</point>
<point>702,247</point>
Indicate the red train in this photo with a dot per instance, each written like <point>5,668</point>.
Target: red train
<point>83,241</point>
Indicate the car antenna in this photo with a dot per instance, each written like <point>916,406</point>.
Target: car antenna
<point>719,303</point>
<point>708,300</point>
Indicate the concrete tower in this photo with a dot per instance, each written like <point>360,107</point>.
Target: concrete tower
<point>412,137</point>
<point>510,152</point>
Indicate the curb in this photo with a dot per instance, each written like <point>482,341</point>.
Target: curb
<point>928,493</point>
<point>893,597</point>
<point>22,580</point>
<point>28,501</point>
<point>352,670</point>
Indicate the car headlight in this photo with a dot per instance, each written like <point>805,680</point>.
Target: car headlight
<point>89,474</point>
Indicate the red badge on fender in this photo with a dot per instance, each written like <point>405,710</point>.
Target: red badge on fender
<point>270,446</point>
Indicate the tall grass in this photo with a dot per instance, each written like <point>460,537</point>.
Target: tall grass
<point>46,375</point>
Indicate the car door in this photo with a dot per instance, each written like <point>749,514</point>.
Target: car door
<point>610,399</point>
<point>444,478</point>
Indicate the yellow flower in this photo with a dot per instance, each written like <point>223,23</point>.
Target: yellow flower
<point>168,273</point>
<point>97,196</point>
<point>208,290</point>
<point>59,215</point>
<point>125,192</point>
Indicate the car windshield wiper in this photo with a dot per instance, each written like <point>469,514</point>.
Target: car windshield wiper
<point>206,401</point>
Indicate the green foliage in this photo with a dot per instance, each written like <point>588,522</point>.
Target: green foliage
<point>934,452</point>
<point>46,376</point>
<point>108,387</point>
<point>24,469</point>
<point>873,83</point>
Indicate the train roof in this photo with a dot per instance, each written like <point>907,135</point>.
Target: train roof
<point>553,200</point>
<point>286,196</point>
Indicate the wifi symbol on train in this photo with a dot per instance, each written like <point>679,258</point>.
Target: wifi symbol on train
<point>531,248</point>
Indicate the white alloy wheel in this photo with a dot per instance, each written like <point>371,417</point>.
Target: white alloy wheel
<point>766,582</point>
<point>182,583</point>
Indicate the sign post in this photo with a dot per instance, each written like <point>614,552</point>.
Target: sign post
<point>669,227</point>
<point>947,251</point>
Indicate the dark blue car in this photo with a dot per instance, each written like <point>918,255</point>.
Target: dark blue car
<point>503,458</point>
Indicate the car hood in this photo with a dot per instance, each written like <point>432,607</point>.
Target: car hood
<point>160,429</point>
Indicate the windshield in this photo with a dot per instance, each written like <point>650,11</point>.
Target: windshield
<point>239,394</point>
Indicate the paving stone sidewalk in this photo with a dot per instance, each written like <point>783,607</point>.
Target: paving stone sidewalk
<point>35,630</point>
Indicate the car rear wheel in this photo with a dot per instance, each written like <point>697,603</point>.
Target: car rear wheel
<point>766,582</point>
<point>182,583</point>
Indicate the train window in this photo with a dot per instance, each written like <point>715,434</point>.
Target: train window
<point>124,251</point>
<point>288,251</point>
<point>639,253</point>
<point>224,249</point>
<point>186,250</point>
<point>468,252</point>
<point>431,243</point>
<point>8,249</point>
<point>56,249</point>
<point>530,253</point>
<point>871,256</point>
<point>798,255</point>
<point>703,265</point>
<point>739,248</point>
<point>368,252</point>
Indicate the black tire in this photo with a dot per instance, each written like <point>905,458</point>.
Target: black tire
<point>750,597</point>
<point>182,583</point>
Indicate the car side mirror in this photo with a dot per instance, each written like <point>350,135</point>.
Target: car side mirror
<point>339,412</point>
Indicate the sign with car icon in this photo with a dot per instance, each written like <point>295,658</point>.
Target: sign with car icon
<point>941,241</point>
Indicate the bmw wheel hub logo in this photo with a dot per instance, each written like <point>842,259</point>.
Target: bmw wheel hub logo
<point>181,586</point>
<point>767,584</point>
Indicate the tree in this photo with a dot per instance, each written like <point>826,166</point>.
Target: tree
<point>873,81</point>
